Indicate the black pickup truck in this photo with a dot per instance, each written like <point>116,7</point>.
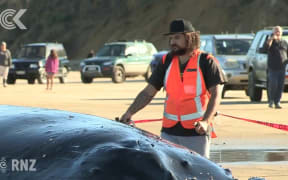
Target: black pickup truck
<point>30,63</point>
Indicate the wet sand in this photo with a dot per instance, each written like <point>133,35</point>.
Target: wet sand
<point>106,99</point>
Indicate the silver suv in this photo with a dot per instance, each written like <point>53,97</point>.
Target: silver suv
<point>257,65</point>
<point>230,50</point>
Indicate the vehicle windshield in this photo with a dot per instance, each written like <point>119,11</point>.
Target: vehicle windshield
<point>32,52</point>
<point>111,50</point>
<point>232,46</point>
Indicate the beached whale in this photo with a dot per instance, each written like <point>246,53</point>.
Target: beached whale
<point>38,143</point>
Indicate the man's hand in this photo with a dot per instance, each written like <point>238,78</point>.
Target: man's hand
<point>270,40</point>
<point>201,127</point>
<point>273,37</point>
<point>143,98</point>
<point>126,118</point>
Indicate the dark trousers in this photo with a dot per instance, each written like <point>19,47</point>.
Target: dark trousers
<point>275,85</point>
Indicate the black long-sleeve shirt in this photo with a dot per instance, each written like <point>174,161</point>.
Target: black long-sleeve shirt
<point>277,54</point>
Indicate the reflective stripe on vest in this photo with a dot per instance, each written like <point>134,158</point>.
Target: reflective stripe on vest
<point>166,75</point>
<point>199,112</point>
<point>171,116</point>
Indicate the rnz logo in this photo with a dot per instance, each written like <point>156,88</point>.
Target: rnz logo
<point>18,165</point>
<point>8,23</point>
<point>23,165</point>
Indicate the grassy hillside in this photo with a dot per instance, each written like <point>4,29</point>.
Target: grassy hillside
<point>87,24</point>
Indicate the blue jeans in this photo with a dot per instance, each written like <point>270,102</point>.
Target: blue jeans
<point>275,85</point>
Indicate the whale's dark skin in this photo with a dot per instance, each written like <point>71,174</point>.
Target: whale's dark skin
<point>70,145</point>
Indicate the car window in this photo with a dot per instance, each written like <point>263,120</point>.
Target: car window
<point>263,40</point>
<point>256,40</point>
<point>32,52</point>
<point>141,50</point>
<point>151,49</point>
<point>209,46</point>
<point>232,46</point>
<point>61,53</point>
<point>131,50</point>
<point>202,44</point>
<point>111,50</point>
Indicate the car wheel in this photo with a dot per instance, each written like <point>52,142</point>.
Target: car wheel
<point>148,73</point>
<point>118,75</point>
<point>31,81</point>
<point>63,78</point>
<point>42,78</point>
<point>286,89</point>
<point>11,80</point>
<point>246,92</point>
<point>255,93</point>
<point>86,80</point>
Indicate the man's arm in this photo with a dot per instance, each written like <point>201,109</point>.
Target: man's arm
<point>212,107</point>
<point>213,103</point>
<point>270,40</point>
<point>142,99</point>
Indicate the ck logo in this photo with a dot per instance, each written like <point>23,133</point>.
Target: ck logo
<point>10,19</point>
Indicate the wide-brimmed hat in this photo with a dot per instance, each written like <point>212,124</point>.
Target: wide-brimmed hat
<point>180,26</point>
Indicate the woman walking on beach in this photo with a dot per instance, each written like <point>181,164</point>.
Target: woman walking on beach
<point>51,67</point>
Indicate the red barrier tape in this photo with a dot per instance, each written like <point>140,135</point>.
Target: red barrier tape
<point>147,120</point>
<point>273,125</point>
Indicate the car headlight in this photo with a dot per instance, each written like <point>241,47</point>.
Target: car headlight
<point>33,66</point>
<point>82,64</point>
<point>108,63</point>
<point>230,64</point>
<point>40,63</point>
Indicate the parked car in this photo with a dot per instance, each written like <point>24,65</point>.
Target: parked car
<point>230,50</point>
<point>119,60</point>
<point>30,63</point>
<point>257,64</point>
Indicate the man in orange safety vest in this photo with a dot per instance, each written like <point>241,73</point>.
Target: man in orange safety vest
<point>192,80</point>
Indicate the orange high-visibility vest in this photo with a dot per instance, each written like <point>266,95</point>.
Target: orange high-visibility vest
<point>186,100</point>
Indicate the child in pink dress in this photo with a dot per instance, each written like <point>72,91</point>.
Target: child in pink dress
<point>51,67</point>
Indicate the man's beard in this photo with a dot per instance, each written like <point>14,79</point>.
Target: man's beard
<point>179,51</point>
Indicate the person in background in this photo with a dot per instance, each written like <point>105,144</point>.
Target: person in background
<point>5,62</point>
<point>51,67</point>
<point>90,54</point>
<point>277,55</point>
<point>192,81</point>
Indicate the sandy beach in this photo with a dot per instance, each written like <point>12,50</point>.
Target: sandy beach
<point>106,99</point>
